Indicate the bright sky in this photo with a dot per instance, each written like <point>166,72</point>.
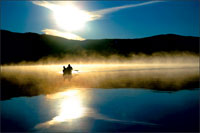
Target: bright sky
<point>81,20</point>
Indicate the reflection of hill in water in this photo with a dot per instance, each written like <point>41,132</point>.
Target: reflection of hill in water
<point>35,80</point>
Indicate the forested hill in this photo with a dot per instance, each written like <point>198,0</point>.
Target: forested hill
<point>16,47</point>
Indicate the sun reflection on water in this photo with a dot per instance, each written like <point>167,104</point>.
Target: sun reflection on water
<point>70,107</point>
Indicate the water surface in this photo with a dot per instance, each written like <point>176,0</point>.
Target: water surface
<point>98,110</point>
<point>100,98</point>
<point>34,80</point>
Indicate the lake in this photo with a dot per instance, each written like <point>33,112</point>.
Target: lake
<point>98,98</point>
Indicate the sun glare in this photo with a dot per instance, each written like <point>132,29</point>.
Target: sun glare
<point>70,106</point>
<point>70,18</point>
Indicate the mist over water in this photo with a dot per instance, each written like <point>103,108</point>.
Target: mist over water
<point>112,94</point>
<point>167,72</point>
<point>95,58</point>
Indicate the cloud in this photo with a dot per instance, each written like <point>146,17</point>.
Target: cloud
<point>66,35</point>
<point>48,4</point>
<point>94,14</point>
<point>69,20</point>
<point>114,9</point>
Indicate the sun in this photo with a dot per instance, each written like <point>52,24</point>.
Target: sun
<point>70,18</point>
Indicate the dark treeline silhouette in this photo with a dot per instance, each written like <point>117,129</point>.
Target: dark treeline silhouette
<point>16,47</point>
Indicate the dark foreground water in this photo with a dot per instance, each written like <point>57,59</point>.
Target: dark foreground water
<point>100,110</point>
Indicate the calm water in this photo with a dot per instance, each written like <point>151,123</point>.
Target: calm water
<point>98,110</point>
<point>100,98</point>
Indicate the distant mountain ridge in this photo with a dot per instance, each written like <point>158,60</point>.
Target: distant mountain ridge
<point>16,47</point>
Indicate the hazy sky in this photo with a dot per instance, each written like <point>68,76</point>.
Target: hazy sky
<point>102,19</point>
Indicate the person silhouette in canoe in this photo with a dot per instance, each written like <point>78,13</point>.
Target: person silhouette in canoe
<point>68,70</point>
